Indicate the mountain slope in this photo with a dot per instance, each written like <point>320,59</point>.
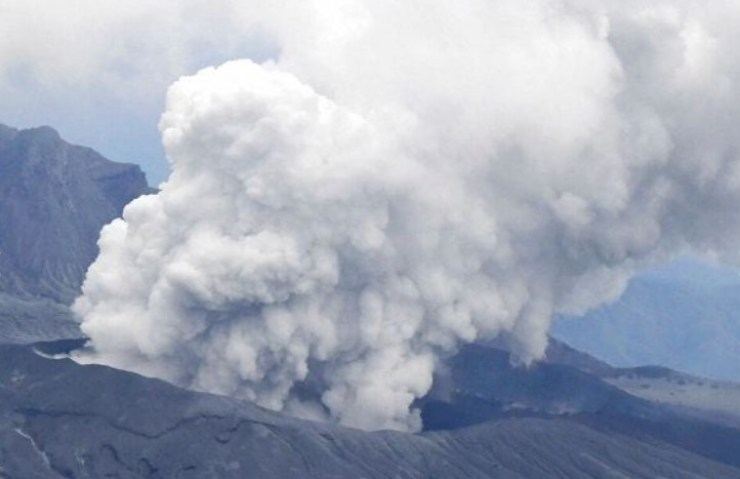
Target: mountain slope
<point>54,198</point>
<point>59,419</point>
<point>479,384</point>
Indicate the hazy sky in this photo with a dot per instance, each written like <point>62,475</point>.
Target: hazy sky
<point>98,70</point>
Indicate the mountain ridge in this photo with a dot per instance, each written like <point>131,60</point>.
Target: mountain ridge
<point>54,198</point>
<point>58,418</point>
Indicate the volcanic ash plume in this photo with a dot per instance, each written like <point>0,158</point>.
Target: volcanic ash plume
<point>404,178</point>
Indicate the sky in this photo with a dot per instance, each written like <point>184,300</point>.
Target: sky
<point>98,70</point>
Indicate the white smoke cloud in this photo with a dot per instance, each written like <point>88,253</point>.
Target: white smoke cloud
<point>404,178</point>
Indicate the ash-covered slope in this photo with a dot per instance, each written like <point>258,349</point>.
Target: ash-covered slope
<point>718,401</point>
<point>479,384</point>
<point>59,419</point>
<point>54,198</point>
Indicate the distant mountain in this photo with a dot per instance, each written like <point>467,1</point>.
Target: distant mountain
<point>684,316</point>
<point>59,419</point>
<point>54,198</point>
<point>709,399</point>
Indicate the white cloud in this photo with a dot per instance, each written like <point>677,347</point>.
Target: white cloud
<point>408,176</point>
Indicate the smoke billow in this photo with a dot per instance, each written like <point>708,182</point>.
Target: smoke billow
<point>406,177</point>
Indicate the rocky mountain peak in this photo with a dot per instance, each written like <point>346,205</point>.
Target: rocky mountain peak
<point>54,199</point>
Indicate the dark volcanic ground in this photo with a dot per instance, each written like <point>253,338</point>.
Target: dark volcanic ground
<point>60,419</point>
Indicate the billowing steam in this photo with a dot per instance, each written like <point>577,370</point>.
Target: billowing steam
<point>406,176</point>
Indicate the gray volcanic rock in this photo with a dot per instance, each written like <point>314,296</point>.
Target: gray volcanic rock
<point>59,419</point>
<point>34,319</point>
<point>54,198</point>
